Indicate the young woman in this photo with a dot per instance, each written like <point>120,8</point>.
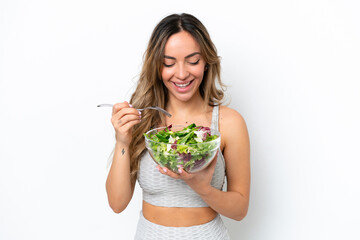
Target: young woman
<point>179,74</point>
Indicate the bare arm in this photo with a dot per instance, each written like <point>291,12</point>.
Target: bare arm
<point>235,202</point>
<point>119,186</point>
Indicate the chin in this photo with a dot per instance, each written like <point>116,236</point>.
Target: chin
<point>185,97</point>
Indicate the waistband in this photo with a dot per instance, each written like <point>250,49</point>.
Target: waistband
<point>213,230</point>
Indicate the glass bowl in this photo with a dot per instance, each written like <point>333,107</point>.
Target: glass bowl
<point>191,157</point>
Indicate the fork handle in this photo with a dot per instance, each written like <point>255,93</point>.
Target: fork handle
<point>111,105</point>
<point>105,105</point>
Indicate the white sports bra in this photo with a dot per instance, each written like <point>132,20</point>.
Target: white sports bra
<point>162,190</point>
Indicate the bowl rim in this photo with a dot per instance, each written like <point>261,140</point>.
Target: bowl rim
<point>192,144</point>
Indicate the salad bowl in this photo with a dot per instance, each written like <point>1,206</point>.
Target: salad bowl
<point>190,147</point>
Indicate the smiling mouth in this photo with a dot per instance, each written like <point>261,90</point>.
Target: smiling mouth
<point>182,85</point>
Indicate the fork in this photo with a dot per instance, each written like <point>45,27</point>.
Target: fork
<point>140,109</point>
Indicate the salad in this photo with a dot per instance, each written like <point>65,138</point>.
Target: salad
<point>191,147</point>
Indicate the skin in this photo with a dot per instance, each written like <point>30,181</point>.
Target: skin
<point>183,64</point>
<point>119,187</point>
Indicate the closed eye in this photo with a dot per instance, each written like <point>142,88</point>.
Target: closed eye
<point>194,63</point>
<point>168,65</point>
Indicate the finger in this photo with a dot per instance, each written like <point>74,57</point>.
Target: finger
<point>183,174</point>
<point>127,118</point>
<point>161,169</point>
<point>118,106</point>
<point>119,116</point>
<point>127,126</point>
<point>126,111</point>
<point>167,172</point>
<point>172,174</point>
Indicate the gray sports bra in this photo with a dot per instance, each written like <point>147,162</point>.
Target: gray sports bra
<point>162,190</point>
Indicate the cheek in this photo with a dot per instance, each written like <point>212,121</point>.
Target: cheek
<point>199,73</point>
<point>166,74</point>
<point>198,70</point>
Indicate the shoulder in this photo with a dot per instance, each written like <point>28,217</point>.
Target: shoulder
<point>229,116</point>
<point>232,125</point>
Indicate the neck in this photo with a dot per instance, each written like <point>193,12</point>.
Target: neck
<point>192,107</point>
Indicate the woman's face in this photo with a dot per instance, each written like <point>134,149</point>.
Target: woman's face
<point>183,66</point>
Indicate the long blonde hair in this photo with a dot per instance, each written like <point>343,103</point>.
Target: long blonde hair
<point>151,91</point>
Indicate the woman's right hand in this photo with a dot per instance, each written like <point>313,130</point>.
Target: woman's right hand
<point>124,117</point>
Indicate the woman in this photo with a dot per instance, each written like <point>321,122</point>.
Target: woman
<point>180,70</point>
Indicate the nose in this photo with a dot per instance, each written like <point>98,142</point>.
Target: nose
<point>181,72</point>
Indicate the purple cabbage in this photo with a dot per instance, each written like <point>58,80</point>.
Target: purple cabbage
<point>185,157</point>
<point>173,146</point>
<point>206,130</point>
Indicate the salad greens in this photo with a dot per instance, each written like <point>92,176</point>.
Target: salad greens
<point>190,148</point>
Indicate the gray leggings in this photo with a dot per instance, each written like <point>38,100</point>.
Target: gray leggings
<point>213,230</point>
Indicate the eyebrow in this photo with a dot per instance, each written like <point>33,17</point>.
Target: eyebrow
<point>188,56</point>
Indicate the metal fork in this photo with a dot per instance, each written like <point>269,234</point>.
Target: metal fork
<point>140,109</point>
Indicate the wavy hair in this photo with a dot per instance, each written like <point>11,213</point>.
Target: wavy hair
<point>150,89</point>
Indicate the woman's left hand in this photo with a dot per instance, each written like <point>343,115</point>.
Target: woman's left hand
<point>200,181</point>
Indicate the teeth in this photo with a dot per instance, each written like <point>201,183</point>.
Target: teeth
<point>182,85</point>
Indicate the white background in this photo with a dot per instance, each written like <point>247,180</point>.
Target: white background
<point>293,72</point>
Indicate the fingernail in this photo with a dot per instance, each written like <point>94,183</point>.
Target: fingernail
<point>164,169</point>
<point>130,105</point>
<point>139,113</point>
<point>180,171</point>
